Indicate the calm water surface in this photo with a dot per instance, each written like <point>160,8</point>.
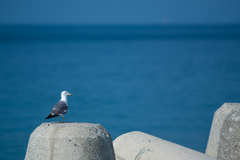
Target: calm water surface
<point>155,81</point>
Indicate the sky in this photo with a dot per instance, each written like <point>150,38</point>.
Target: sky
<point>120,12</point>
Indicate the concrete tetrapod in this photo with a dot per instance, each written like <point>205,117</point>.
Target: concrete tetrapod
<point>72,141</point>
<point>141,146</point>
<point>224,138</point>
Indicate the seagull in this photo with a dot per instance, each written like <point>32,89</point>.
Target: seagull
<point>60,108</point>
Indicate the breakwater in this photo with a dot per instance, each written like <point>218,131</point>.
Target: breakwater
<point>92,141</point>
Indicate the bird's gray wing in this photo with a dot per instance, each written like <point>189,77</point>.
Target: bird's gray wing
<point>59,108</point>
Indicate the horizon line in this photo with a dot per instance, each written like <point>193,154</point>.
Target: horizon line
<point>119,24</point>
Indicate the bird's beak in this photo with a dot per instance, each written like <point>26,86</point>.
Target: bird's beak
<point>70,94</point>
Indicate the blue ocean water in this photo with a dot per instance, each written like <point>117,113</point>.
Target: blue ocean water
<point>166,81</point>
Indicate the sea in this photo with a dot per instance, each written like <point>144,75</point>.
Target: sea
<point>164,80</point>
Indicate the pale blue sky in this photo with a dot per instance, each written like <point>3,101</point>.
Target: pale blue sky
<point>120,11</point>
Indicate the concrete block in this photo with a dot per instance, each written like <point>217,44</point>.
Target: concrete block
<point>61,141</point>
<point>224,139</point>
<point>141,146</point>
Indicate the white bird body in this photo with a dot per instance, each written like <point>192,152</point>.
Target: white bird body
<point>60,108</point>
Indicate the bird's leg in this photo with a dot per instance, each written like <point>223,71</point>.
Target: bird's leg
<point>63,118</point>
<point>58,120</point>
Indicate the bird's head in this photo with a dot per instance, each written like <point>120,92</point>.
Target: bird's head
<point>65,93</point>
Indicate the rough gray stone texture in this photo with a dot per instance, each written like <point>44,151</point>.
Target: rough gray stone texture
<point>229,145</point>
<point>141,146</point>
<point>219,131</point>
<point>61,141</point>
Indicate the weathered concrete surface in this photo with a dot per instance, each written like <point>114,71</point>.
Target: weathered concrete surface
<point>224,135</point>
<point>229,145</point>
<point>61,141</point>
<point>141,146</point>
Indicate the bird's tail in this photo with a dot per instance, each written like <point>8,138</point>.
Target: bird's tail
<point>51,116</point>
